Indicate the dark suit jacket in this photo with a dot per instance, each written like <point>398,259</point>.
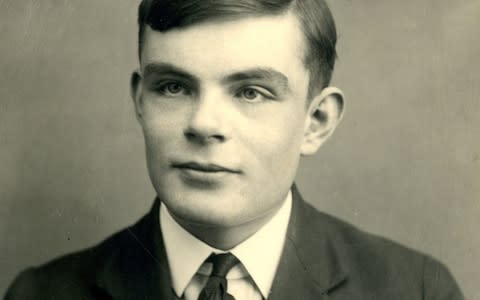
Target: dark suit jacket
<point>323,258</point>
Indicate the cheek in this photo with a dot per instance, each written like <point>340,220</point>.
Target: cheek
<point>162,127</point>
<point>161,117</point>
<point>155,152</point>
<point>275,142</point>
<point>159,145</point>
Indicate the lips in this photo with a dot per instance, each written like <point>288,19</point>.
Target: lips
<point>204,175</point>
<point>204,167</point>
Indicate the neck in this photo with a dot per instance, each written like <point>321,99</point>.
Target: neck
<point>226,238</point>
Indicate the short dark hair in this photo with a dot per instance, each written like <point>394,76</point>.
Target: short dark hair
<point>317,24</point>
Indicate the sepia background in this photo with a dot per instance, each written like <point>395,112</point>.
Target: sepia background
<point>405,163</point>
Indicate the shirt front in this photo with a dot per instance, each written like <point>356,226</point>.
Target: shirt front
<point>259,256</point>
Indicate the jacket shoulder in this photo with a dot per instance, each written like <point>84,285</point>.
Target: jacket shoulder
<point>72,275</point>
<point>381,265</point>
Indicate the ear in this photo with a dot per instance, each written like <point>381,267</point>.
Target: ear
<point>136,93</point>
<point>323,115</point>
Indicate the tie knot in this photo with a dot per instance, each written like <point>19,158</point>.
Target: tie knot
<point>222,263</point>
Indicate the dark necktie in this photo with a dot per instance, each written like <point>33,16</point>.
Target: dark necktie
<point>216,287</point>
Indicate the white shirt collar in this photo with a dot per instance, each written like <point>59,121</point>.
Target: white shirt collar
<point>259,254</point>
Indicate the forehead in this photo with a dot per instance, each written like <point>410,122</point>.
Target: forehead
<point>220,47</point>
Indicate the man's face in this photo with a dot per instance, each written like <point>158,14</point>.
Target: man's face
<point>223,111</point>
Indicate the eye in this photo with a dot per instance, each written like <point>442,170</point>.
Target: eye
<point>249,94</point>
<point>254,94</point>
<point>172,88</point>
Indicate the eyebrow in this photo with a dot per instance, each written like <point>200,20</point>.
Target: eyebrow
<point>266,73</point>
<point>168,69</point>
<point>260,73</point>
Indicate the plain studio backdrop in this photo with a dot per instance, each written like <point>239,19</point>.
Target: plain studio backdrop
<point>405,162</point>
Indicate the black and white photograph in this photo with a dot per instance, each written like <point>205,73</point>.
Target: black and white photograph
<point>239,149</point>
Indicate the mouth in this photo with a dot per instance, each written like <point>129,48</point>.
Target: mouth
<point>204,175</point>
<point>204,167</point>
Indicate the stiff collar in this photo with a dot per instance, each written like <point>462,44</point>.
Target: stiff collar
<point>313,261</point>
<point>312,264</point>
<point>259,254</point>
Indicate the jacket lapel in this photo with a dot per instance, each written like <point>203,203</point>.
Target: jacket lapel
<point>310,266</point>
<point>138,269</point>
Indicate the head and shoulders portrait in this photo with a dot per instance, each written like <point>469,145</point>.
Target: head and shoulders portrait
<point>232,101</point>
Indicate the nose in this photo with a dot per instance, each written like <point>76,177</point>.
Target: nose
<point>207,120</point>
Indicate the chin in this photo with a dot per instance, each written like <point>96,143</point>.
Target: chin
<point>207,212</point>
<point>205,216</point>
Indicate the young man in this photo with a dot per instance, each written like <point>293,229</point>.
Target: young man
<point>230,94</point>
